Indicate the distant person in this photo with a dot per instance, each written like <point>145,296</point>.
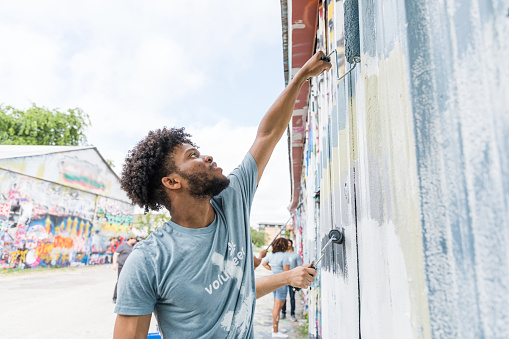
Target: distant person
<point>258,260</point>
<point>277,263</point>
<point>119,258</point>
<point>294,260</point>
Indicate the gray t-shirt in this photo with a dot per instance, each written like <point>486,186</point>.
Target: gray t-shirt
<point>294,259</point>
<point>123,251</point>
<point>276,261</point>
<point>199,282</point>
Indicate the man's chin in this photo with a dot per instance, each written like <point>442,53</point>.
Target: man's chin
<point>221,185</point>
<point>211,188</point>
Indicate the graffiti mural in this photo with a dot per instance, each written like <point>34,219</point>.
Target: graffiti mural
<point>113,216</point>
<point>43,224</point>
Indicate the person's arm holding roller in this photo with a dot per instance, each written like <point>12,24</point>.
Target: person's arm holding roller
<point>270,131</point>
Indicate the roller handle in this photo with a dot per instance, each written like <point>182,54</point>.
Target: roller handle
<point>326,57</point>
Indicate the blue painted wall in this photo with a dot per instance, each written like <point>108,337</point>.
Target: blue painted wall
<point>410,155</point>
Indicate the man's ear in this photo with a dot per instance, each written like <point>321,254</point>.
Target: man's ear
<point>172,182</point>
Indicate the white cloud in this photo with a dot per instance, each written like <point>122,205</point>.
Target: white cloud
<point>135,66</point>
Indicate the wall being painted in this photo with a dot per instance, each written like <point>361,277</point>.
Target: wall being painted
<point>46,224</point>
<point>410,155</point>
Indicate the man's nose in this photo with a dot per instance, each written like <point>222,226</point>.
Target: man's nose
<point>208,158</point>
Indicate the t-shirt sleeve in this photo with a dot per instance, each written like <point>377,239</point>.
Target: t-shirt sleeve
<point>137,288</point>
<point>119,248</point>
<point>244,178</point>
<point>286,260</point>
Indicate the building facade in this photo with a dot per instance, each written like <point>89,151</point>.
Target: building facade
<point>59,206</point>
<point>408,154</point>
<point>272,230</point>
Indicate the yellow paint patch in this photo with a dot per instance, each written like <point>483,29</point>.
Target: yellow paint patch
<point>390,139</point>
<point>40,172</point>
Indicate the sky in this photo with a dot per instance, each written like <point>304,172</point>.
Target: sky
<point>132,66</point>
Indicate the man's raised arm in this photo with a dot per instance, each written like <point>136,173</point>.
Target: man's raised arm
<point>279,114</point>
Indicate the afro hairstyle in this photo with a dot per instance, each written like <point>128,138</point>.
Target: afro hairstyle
<point>147,163</point>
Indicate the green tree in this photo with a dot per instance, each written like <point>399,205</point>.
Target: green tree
<point>148,223</point>
<point>40,126</point>
<point>258,237</point>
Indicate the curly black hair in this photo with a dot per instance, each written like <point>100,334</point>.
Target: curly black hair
<point>279,245</point>
<point>147,163</point>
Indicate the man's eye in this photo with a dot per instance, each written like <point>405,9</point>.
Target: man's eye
<point>193,154</point>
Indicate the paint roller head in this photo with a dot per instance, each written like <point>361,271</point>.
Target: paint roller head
<point>352,36</point>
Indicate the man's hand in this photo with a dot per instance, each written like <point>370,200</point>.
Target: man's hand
<point>315,65</point>
<point>301,276</point>
<point>115,266</point>
<point>263,254</point>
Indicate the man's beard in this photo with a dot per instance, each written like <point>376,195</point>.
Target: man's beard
<point>200,186</point>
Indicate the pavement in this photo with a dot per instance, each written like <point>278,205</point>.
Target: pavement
<point>263,314</point>
<point>58,303</point>
<point>76,303</point>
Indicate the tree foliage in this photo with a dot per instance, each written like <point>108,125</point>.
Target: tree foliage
<point>259,238</point>
<point>148,223</point>
<point>40,126</point>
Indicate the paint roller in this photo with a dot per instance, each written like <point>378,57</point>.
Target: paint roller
<point>352,37</point>
<point>353,56</point>
<point>336,236</point>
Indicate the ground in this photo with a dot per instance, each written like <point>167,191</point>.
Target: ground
<point>263,314</point>
<point>76,303</point>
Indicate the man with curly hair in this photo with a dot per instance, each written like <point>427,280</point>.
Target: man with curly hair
<point>196,271</point>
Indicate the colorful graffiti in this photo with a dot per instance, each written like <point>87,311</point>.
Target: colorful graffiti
<point>113,216</point>
<point>82,177</point>
<point>43,224</point>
